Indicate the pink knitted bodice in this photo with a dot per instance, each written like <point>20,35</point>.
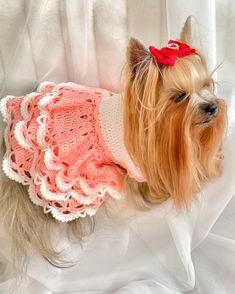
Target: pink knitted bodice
<point>60,142</point>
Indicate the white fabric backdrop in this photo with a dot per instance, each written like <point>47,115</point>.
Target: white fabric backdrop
<point>159,251</point>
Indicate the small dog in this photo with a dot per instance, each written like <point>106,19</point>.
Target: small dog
<point>161,138</point>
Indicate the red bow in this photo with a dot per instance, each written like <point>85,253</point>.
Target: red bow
<point>167,55</point>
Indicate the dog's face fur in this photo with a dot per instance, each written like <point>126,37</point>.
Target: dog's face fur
<point>174,124</point>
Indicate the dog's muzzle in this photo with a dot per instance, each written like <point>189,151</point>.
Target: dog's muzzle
<point>210,108</point>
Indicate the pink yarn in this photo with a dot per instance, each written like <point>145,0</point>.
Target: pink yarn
<point>54,145</point>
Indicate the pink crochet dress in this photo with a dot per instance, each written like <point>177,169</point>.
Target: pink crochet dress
<point>55,145</point>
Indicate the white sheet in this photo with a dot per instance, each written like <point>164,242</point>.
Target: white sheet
<point>159,251</point>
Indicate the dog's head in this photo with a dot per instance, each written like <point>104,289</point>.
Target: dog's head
<point>174,122</point>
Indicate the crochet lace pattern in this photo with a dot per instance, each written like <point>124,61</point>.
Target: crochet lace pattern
<point>54,145</point>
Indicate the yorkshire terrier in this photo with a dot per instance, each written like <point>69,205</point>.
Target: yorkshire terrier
<point>68,147</point>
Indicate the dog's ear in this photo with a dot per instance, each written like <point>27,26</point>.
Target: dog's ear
<point>186,33</point>
<point>190,33</point>
<point>137,54</point>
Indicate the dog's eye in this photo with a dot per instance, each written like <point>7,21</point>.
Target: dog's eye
<point>180,97</point>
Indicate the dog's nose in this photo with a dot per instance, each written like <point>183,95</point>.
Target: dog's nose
<point>210,108</point>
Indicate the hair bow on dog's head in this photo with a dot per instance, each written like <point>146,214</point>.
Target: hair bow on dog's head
<point>167,55</point>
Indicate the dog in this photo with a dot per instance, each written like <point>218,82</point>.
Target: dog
<point>68,147</point>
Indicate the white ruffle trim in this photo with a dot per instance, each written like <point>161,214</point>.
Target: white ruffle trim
<point>71,84</point>
<point>43,85</point>
<point>45,100</point>
<point>34,198</point>
<point>40,134</point>
<point>55,213</point>
<point>19,136</point>
<point>25,103</point>
<point>99,190</point>
<point>3,107</point>
<point>6,167</point>
<point>95,193</point>
<point>61,184</point>
<point>69,217</point>
<point>41,120</point>
<point>48,156</point>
